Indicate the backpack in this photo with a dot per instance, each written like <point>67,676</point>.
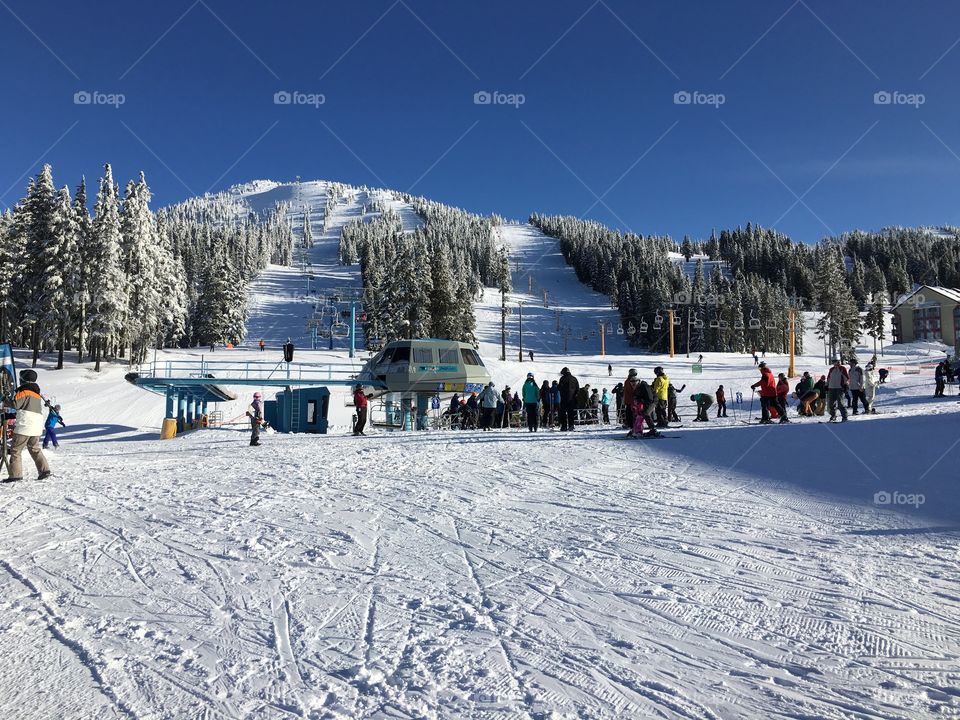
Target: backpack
<point>645,393</point>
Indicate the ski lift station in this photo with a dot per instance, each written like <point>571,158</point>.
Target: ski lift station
<point>405,375</point>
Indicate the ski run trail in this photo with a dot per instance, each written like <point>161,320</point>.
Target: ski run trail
<point>736,572</point>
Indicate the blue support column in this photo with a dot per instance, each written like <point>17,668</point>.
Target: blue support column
<point>189,403</point>
<point>170,403</point>
<point>203,408</point>
<point>181,411</point>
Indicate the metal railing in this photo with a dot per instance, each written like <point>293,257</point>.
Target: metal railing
<point>226,370</point>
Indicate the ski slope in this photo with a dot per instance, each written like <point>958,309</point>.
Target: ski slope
<point>728,571</point>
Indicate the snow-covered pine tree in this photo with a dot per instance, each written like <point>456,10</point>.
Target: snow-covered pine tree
<point>67,256</point>
<point>107,282</point>
<point>41,281</point>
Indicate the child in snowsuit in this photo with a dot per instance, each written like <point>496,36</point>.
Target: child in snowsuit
<point>50,426</point>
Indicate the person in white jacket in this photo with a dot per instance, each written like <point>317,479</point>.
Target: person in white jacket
<point>28,428</point>
<point>856,387</point>
<point>869,388</point>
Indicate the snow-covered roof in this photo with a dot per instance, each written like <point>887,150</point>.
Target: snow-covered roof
<point>951,293</point>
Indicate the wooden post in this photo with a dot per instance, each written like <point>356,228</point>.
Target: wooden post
<point>670,320</point>
<point>791,370</point>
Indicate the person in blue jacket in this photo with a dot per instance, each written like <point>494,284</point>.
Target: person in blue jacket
<point>50,426</point>
<point>554,402</point>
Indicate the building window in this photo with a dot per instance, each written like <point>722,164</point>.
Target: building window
<point>423,356</point>
<point>926,323</point>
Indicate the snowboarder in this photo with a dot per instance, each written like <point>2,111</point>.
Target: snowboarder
<point>605,405</point>
<point>768,396</point>
<point>672,402</point>
<point>255,413</point>
<point>531,402</point>
<point>721,402</point>
<point>837,380</point>
<point>53,417</point>
<point>704,401</point>
<point>661,385</point>
<point>28,427</point>
<point>569,387</point>
<point>629,388</point>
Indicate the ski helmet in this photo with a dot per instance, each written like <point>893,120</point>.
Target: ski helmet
<point>658,370</point>
<point>529,376</point>
<point>28,375</point>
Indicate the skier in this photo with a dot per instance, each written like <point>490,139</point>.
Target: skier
<point>609,370</point>
<point>756,360</point>
<point>53,417</point>
<point>255,413</point>
<point>554,403</point>
<point>783,389</point>
<point>768,396</point>
<point>546,399</point>
<point>672,402</point>
<point>605,405</point>
<point>700,358</point>
<point>618,394</point>
<point>644,409</point>
<point>263,345</point>
<point>704,401</point>
<point>583,397</point>
<point>361,402</point>
<point>530,353</point>
<point>473,410</point>
<point>883,372</point>
<point>806,394</point>
<point>661,385</point>
<point>721,402</point>
<point>837,380</point>
<point>516,404</point>
<point>856,387</point>
<point>593,403</point>
<point>489,399</point>
<point>939,379</point>
<point>629,388</point>
<point>569,387</point>
<point>28,427</point>
<point>531,402</point>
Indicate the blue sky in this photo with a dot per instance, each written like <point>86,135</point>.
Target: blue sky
<point>784,131</point>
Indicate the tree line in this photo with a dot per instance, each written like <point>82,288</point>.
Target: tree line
<point>123,279</point>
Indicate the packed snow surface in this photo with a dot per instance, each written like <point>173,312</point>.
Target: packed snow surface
<point>725,571</point>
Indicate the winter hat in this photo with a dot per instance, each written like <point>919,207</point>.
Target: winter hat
<point>632,373</point>
<point>529,376</point>
<point>28,375</point>
<point>762,364</point>
<point>57,408</point>
<point>565,371</point>
<point>693,398</point>
<point>721,387</point>
<point>257,395</point>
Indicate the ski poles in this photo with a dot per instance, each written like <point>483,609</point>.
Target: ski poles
<point>753,392</point>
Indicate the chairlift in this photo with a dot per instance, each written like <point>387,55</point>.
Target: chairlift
<point>658,321</point>
<point>715,324</point>
<point>725,325</point>
<point>771,325</point>
<point>676,319</point>
<point>754,321</point>
<point>631,330</point>
<point>697,322</point>
<point>738,323</point>
<point>340,330</point>
<point>643,327</point>
<point>619,328</point>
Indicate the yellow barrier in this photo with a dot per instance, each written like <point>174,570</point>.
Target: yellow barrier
<point>168,430</point>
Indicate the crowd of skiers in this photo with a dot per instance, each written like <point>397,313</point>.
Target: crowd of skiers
<point>946,372</point>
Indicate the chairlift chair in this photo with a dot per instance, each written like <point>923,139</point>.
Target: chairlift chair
<point>619,328</point>
<point>738,324</point>
<point>715,324</point>
<point>676,319</point>
<point>754,321</point>
<point>724,325</point>
<point>697,323</point>
<point>658,321</point>
<point>771,325</point>
<point>340,330</point>
<point>631,330</point>
<point>643,327</point>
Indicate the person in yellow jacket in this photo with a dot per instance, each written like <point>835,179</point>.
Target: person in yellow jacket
<point>661,388</point>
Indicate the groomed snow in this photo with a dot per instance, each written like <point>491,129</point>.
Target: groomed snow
<point>733,572</point>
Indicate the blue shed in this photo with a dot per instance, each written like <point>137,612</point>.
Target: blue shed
<point>303,410</point>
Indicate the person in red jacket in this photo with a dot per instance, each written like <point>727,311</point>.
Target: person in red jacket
<point>721,402</point>
<point>768,396</point>
<point>360,401</point>
<point>783,390</point>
